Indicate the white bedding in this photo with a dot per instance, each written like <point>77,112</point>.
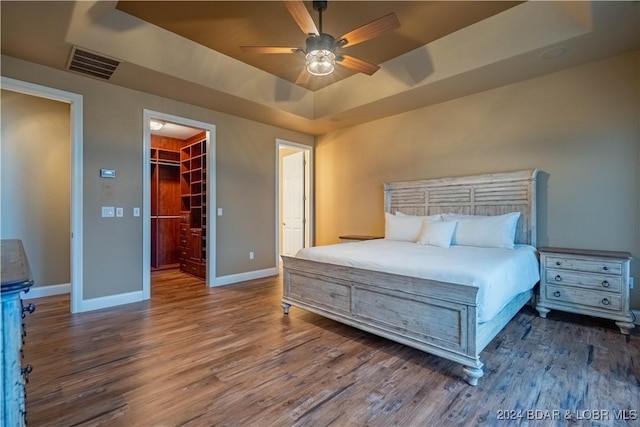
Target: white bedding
<point>499,274</point>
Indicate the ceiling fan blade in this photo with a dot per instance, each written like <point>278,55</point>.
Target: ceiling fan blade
<point>269,49</point>
<point>303,77</point>
<point>368,31</point>
<point>356,64</point>
<point>302,17</point>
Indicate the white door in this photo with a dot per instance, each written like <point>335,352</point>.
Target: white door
<point>293,203</point>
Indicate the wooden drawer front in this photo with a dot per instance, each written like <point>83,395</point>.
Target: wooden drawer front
<point>591,266</point>
<point>600,282</point>
<point>195,268</point>
<point>572,296</point>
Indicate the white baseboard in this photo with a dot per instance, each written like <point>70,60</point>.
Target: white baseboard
<point>241,277</point>
<point>110,301</point>
<point>47,291</point>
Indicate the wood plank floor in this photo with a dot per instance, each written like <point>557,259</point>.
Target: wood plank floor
<point>227,356</point>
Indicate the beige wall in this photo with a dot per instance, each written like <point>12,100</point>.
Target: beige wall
<point>112,134</point>
<point>580,127</point>
<point>35,147</point>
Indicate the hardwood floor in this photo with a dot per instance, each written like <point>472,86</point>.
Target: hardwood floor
<point>197,356</point>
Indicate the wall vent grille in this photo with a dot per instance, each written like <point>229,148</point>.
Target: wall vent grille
<point>92,64</point>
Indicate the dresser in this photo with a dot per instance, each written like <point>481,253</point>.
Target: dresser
<point>16,279</point>
<point>595,283</point>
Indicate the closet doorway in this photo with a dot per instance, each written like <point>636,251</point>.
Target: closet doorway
<point>179,154</point>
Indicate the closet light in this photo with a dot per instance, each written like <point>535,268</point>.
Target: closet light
<point>156,125</point>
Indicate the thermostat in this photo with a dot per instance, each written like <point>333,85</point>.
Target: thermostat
<point>107,173</point>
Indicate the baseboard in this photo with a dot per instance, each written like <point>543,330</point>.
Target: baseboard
<point>47,291</point>
<point>242,277</point>
<point>110,301</point>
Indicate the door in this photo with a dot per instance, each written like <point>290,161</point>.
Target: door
<point>293,203</point>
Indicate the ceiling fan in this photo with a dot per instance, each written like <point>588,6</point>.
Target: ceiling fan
<point>322,50</point>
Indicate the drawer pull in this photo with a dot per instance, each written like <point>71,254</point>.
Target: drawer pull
<point>605,268</point>
<point>558,278</point>
<point>605,284</point>
<point>558,263</point>
<point>556,294</point>
<point>605,301</point>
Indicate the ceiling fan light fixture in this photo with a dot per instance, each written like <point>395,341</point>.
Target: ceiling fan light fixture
<point>321,62</point>
<point>320,55</point>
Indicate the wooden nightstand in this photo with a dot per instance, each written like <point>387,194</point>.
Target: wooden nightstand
<point>595,283</point>
<point>357,238</point>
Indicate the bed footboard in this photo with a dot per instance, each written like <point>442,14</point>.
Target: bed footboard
<point>435,317</point>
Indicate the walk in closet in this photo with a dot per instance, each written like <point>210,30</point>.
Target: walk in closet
<point>178,204</point>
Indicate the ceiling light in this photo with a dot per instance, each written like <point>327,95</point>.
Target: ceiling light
<point>320,56</point>
<point>156,125</point>
<point>321,62</point>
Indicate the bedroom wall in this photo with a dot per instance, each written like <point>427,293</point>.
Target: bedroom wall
<point>580,127</point>
<point>35,199</point>
<point>113,139</point>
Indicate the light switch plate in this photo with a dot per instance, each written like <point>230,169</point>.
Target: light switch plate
<point>108,212</point>
<point>219,211</point>
<point>119,212</point>
<point>136,211</point>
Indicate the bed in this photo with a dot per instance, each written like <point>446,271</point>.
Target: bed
<point>437,313</point>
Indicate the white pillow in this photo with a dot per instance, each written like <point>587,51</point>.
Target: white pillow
<point>404,228</point>
<point>437,233</point>
<point>498,231</point>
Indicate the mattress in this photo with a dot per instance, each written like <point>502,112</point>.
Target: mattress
<point>499,274</point>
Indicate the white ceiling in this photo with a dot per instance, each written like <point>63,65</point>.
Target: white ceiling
<point>493,52</point>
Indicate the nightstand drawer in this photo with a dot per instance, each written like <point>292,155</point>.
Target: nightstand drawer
<point>600,282</point>
<point>592,266</point>
<point>573,296</point>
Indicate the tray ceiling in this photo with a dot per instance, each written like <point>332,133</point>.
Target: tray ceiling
<point>224,26</point>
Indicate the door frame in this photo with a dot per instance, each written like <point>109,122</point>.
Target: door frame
<point>308,193</point>
<point>76,146</point>
<point>210,129</point>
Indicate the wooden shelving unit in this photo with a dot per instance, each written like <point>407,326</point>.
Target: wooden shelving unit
<point>193,205</point>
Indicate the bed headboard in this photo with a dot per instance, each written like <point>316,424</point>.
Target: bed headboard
<point>489,194</point>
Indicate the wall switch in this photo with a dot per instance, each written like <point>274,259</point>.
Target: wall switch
<point>108,212</point>
<point>136,211</point>
<point>219,211</point>
<point>119,212</point>
<point>631,282</point>
<point>250,255</point>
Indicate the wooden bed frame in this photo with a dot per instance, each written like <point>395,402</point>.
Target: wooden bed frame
<point>435,317</point>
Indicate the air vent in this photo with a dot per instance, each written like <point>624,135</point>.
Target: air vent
<point>92,64</point>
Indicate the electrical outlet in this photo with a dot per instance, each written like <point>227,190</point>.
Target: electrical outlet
<point>250,255</point>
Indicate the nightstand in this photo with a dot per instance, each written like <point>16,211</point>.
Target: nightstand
<point>594,283</point>
<point>357,238</point>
